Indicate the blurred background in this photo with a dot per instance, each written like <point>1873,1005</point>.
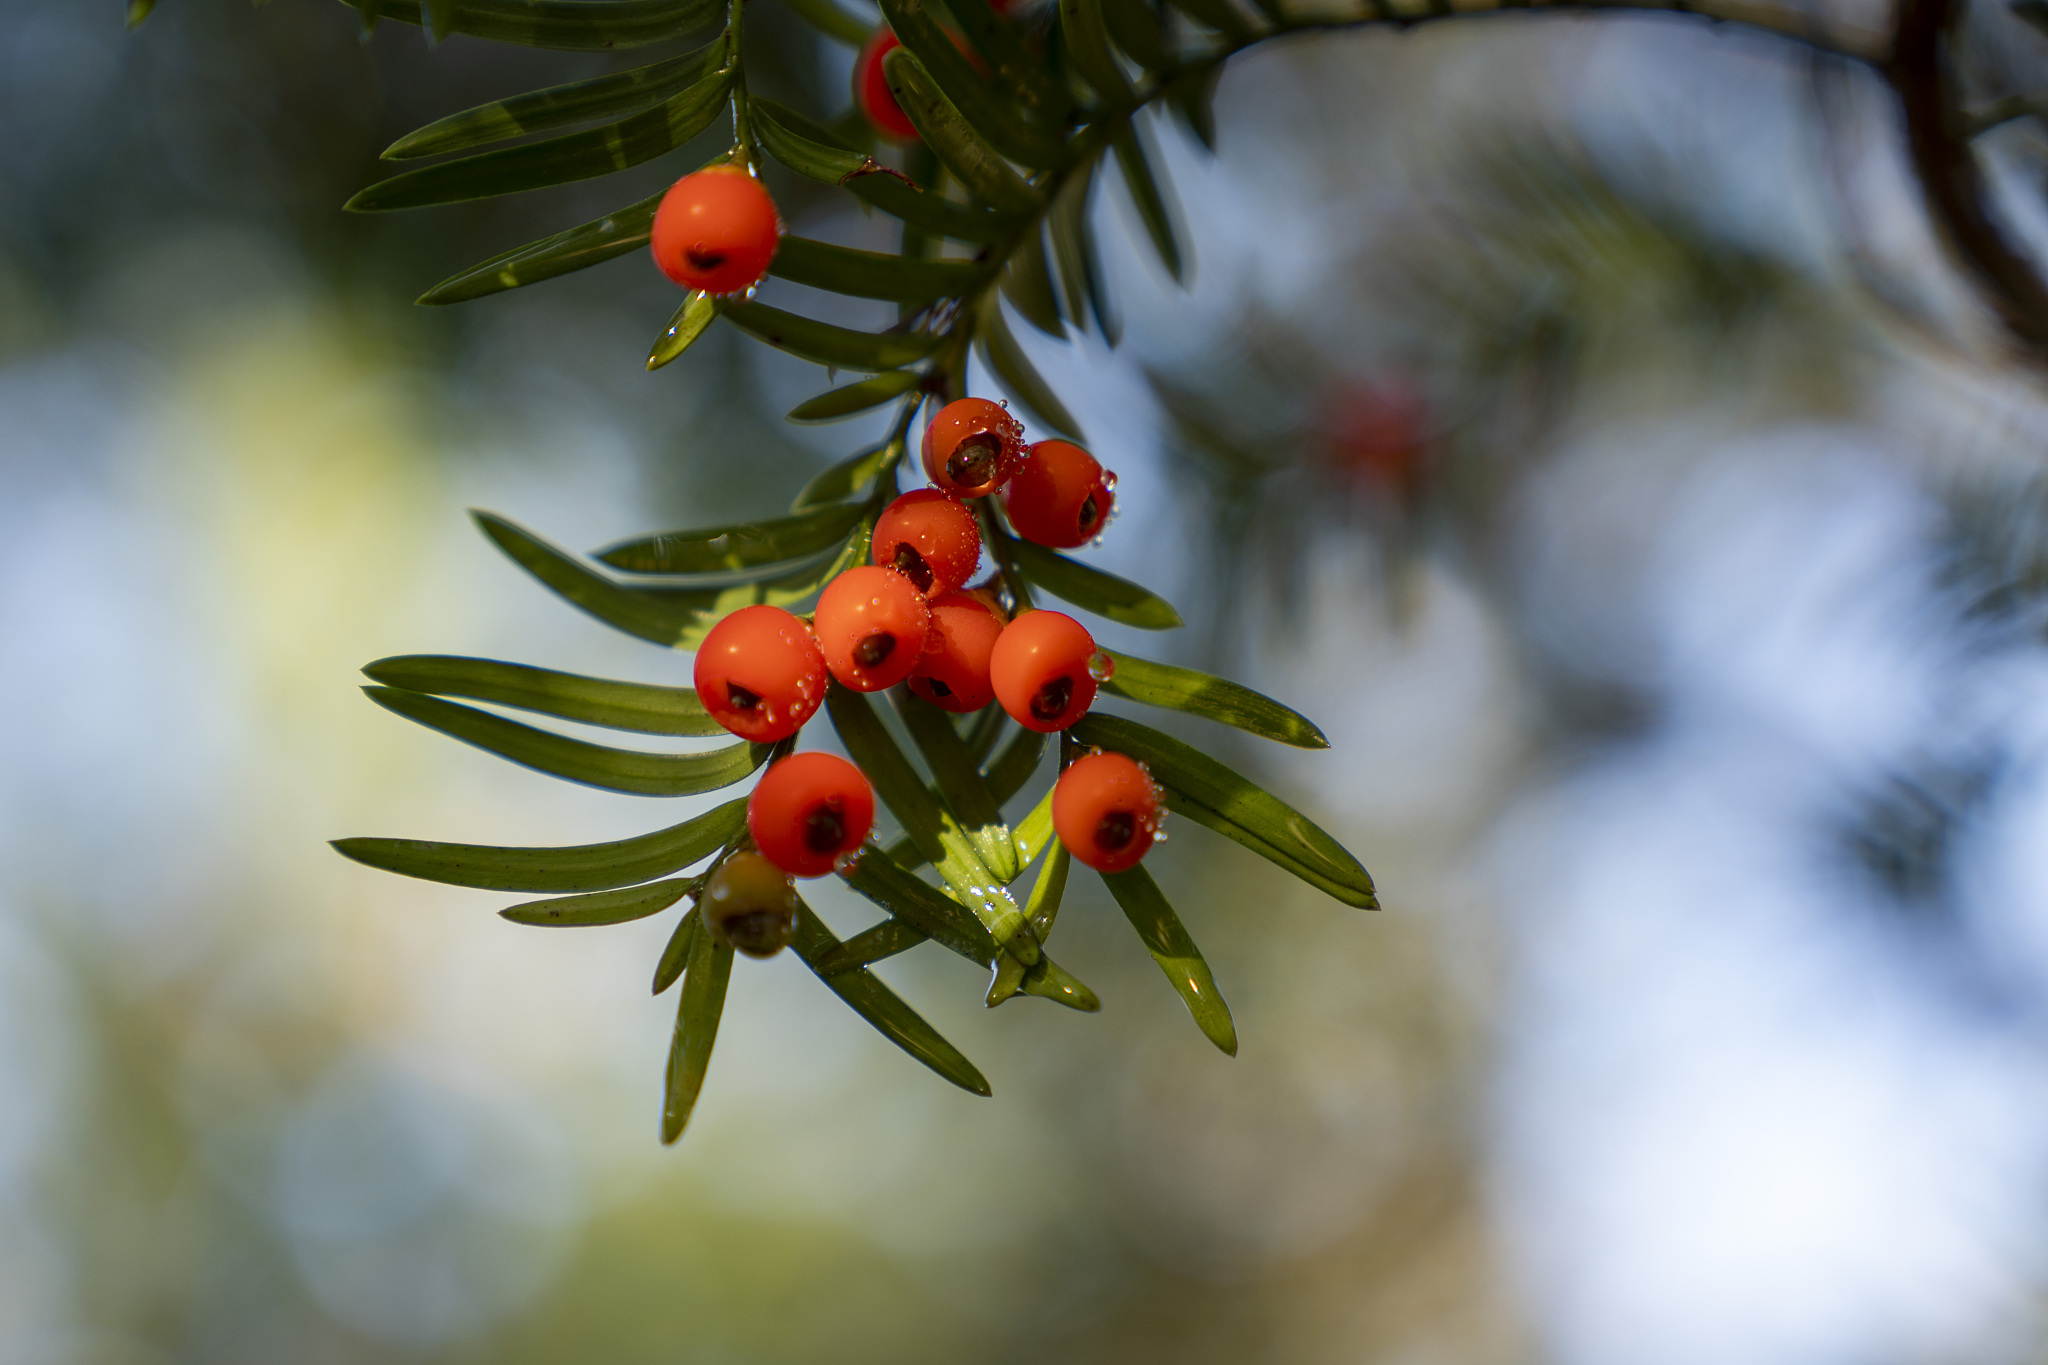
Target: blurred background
<point>1575,417</point>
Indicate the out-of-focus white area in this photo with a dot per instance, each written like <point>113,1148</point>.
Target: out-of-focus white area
<point>1639,1063</point>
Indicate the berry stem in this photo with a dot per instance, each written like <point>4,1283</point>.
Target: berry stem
<point>998,541</point>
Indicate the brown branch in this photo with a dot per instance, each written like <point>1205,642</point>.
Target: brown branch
<point>1958,198</point>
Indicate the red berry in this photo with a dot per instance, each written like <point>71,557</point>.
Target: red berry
<point>871,624</point>
<point>930,539</point>
<point>1378,433</point>
<point>759,674</point>
<point>1040,670</point>
<point>871,89</point>
<point>953,673</point>
<point>1059,495</point>
<point>1105,808</point>
<point>807,810</point>
<point>750,904</point>
<point>716,231</point>
<point>972,447</point>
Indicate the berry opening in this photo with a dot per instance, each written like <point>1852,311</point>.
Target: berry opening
<point>973,461</point>
<point>938,686</point>
<point>875,650</point>
<point>911,565</point>
<point>1089,512</point>
<point>825,828</point>
<point>740,699</point>
<point>1049,702</point>
<point>705,260</point>
<point>1114,832</point>
<point>758,933</point>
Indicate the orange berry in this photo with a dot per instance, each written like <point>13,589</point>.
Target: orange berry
<point>1105,808</point>
<point>953,674</point>
<point>1059,496</point>
<point>807,810</point>
<point>871,624</point>
<point>871,89</point>
<point>759,674</point>
<point>972,447</point>
<point>1039,669</point>
<point>716,231</point>
<point>930,539</point>
<point>750,904</point>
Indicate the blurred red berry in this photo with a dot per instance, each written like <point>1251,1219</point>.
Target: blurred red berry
<point>871,624</point>
<point>1105,808</point>
<point>972,447</point>
<point>871,89</point>
<point>750,904</point>
<point>1377,432</point>
<point>760,674</point>
<point>809,809</point>
<point>930,539</point>
<point>1040,670</point>
<point>953,674</point>
<point>1059,496</point>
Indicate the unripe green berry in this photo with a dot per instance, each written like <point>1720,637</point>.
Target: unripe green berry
<point>750,904</point>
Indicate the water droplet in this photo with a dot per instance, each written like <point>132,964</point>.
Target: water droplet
<point>1109,479</point>
<point>1159,836</point>
<point>1101,667</point>
<point>847,863</point>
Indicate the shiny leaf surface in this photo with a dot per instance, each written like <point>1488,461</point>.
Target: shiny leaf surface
<point>1214,796</point>
<point>1091,589</point>
<point>960,783</point>
<point>871,945</point>
<point>883,1008</point>
<point>982,104</point>
<point>980,168</point>
<point>676,954</point>
<point>823,343</point>
<point>849,477</point>
<point>845,401</point>
<point>1212,698</point>
<point>578,867</point>
<point>697,1016</point>
<point>1043,907</point>
<point>640,707</point>
<point>577,248</point>
<point>872,274</point>
<point>600,907</point>
<point>594,765</point>
<point>1167,939</point>
<point>812,151</point>
<point>623,92</point>
<point>557,160</point>
<point>743,546</point>
<point>938,836</point>
<point>676,617</point>
<point>692,318</point>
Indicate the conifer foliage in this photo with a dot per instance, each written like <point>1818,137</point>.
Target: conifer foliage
<point>999,129</point>
<point>984,128</point>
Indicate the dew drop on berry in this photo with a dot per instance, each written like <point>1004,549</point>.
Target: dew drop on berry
<point>1101,667</point>
<point>1109,479</point>
<point>846,864</point>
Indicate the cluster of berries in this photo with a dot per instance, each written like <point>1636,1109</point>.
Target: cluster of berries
<point>910,617</point>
